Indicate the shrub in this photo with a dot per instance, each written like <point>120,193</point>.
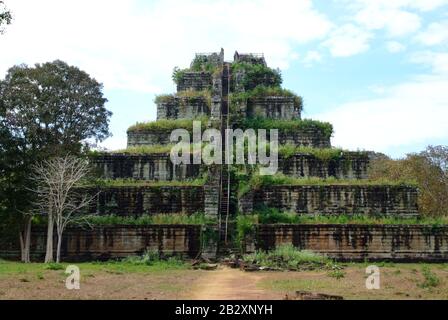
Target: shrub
<point>287,257</point>
<point>245,224</point>
<point>256,74</point>
<point>54,266</point>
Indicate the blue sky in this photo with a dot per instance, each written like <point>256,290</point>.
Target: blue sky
<point>376,69</point>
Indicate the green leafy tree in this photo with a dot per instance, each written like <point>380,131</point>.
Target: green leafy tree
<point>5,16</point>
<point>48,110</point>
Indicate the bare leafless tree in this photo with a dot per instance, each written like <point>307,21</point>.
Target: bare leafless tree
<point>57,181</point>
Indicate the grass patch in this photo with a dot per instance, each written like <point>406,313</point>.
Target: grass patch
<point>107,220</point>
<point>263,91</point>
<point>324,154</point>
<point>258,181</point>
<point>167,125</point>
<point>265,215</point>
<point>288,257</point>
<point>185,97</point>
<point>143,183</point>
<point>325,128</point>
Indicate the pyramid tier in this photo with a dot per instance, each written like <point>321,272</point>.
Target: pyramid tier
<point>136,200</point>
<point>158,166</point>
<point>149,167</point>
<point>178,107</point>
<point>347,165</point>
<point>388,200</point>
<point>195,81</point>
<point>310,136</point>
<point>272,107</point>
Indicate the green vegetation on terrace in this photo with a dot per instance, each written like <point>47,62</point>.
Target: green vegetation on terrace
<point>166,125</point>
<point>288,125</point>
<point>142,183</point>
<point>257,74</point>
<point>152,149</point>
<point>263,91</point>
<point>256,181</point>
<point>199,64</point>
<point>325,154</point>
<point>108,220</point>
<point>265,215</point>
<point>185,96</point>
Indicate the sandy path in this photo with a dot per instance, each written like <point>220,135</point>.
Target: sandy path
<point>230,284</point>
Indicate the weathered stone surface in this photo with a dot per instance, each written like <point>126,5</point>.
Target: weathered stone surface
<point>335,199</point>
<point>109,242</point>
<point>312,137</point>
<point>183,108</point>
<point>360,242</point>
<point>148,138</point>
<point>351,165</point>
<point>275,107</point>
<point>138,200</point>
<point>154,167</point>
<point>195,81</point>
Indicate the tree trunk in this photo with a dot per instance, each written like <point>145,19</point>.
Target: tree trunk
<point>25,240</point>
<point>49,257</point>
<point>58,250</point>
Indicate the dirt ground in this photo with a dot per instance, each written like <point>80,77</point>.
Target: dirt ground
<point>399,281</point>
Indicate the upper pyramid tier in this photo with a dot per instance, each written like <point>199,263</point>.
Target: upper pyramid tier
<point>255,89</point>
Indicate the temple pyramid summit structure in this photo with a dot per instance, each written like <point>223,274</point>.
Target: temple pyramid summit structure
<point>312,177</point>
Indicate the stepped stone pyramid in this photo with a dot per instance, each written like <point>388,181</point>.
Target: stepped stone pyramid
<point>244,93</point>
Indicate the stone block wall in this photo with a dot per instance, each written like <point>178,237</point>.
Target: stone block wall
<point>281,108</point>
<point>148,138</point>
<point>139,200</point>
<point>154,167</point>
<point>312,137</point>
<point>183,108</point>
<point>195,81</point>
<point>351,165</point>
<point>111,242</point>
<point>405,243</point>
<point>335,199</point>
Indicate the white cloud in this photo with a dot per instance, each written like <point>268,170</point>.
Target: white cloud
<point>348,40</point>
<point>438,61</point>
<point>395,47</point>
<point>436,33</point>
<point>410,113</point>
<point>312,57</point>
<point>396,22</point>
<point>134,45</point>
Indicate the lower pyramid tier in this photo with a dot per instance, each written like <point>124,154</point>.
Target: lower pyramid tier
<point>385,200</point>
<point>158,166</point>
